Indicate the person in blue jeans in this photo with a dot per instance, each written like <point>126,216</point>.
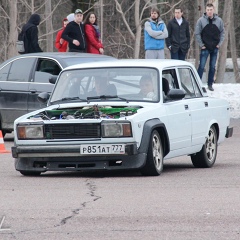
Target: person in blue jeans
<point>209,34</point>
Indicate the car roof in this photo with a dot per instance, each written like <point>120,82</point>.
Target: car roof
<point>156,63</point>
<point>60,56</point>
<point>67,55</point>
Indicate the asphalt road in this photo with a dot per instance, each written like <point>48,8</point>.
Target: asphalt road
<point>183,203</point>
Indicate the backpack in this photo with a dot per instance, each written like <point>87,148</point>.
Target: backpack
<point>21,42</point>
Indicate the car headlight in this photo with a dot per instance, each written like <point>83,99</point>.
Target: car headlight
<point>116,129</point>
<point>30,132</point>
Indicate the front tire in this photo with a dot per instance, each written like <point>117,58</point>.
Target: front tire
<point>154,162</point>
<point>208,154</point>
<point>3,133</point>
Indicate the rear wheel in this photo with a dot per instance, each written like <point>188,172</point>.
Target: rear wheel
<point>207,156</point>
<point>30,173</point>
<point>154,163</point>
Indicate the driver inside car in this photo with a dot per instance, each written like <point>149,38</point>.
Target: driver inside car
<point>147,89</point>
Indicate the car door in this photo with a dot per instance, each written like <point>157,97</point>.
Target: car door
<point>198,104</point>
<point>179,119</point>
<point>14,86</point>
<point>39,82</point>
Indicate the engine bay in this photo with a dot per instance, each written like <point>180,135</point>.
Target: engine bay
<point>89,112</point>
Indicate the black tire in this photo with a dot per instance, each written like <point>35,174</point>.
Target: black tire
<point>30,173</point>
<point>154,162</point>
<point>208,154</point>
<point>3,133</point>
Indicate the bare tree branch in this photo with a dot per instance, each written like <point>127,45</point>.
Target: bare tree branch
<point>119,9</point>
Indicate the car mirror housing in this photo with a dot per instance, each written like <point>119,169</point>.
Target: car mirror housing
<point>176,94</point>
<point>43,97</point>
<point>53,79</point>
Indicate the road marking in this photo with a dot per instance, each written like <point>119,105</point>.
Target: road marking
<point>3,229</point>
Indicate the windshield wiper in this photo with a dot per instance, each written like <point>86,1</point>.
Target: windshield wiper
<point>104,97</point>
<point>72,98</point>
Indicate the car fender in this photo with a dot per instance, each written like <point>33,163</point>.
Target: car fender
<point>148,127</point>
<point>214,123</point>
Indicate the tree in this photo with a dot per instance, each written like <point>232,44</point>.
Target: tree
<point>49,27</point>
<point>12,28</point>
<point>223,50</point>
<point>199,10</point>
<point>233,46</point>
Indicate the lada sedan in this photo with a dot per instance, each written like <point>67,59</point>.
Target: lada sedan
<point>126,114</point>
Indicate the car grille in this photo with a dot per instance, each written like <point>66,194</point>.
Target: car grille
<point>70,131</point>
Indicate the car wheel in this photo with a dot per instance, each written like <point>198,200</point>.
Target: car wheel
<point>30,173</point>
<point>154,162</point>
<point>3,133</point>
<point>207,156</point>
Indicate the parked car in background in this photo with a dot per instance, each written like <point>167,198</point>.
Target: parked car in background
<point>126,114</point>
<point>23,77</point>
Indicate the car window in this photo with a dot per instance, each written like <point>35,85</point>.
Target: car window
<point>171,76</point>
<point>46,68</point>
<point>20,70</point>
<point>188,83</point>
<point>4,72</point>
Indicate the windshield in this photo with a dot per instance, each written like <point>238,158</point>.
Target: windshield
<point>107,84</point>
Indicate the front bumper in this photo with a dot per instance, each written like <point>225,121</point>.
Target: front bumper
<point>68,158</point>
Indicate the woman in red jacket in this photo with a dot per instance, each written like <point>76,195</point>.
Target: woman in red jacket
<point>60,43</point>
<point>93,38</point>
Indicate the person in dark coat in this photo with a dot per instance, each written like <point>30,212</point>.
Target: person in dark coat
<point>178,41</point>
<point>31,44</point>
<point>210,35</point>
<point>74,33</point>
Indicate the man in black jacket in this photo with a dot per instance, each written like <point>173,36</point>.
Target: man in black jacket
<point>178,41</point>
<point>74,33</point>
<point>210,35</point>
<point>31,34</point>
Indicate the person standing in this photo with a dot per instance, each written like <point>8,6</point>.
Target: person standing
<point>178,41</point>
<point>31,34</point>
<point>60,43</point>
<point>70,17</point>
<point>209,34</point>
<point>74,33</point>
<point>155,32</point>
<point>93,36</point>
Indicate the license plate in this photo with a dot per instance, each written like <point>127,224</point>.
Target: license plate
<point>102,149</point>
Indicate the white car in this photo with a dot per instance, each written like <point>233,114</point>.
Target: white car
<point>127,114</point>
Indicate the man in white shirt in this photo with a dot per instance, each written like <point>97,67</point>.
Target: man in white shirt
<point>178,41</point>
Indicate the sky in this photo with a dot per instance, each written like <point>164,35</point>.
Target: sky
<point>230,92</point>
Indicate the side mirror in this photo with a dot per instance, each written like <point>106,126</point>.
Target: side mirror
<point>53,79</point>
<point>43,97</point>
<point>176,94</point>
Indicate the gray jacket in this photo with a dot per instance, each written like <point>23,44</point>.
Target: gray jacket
<point>152,32</point>
<point>209,32</point>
